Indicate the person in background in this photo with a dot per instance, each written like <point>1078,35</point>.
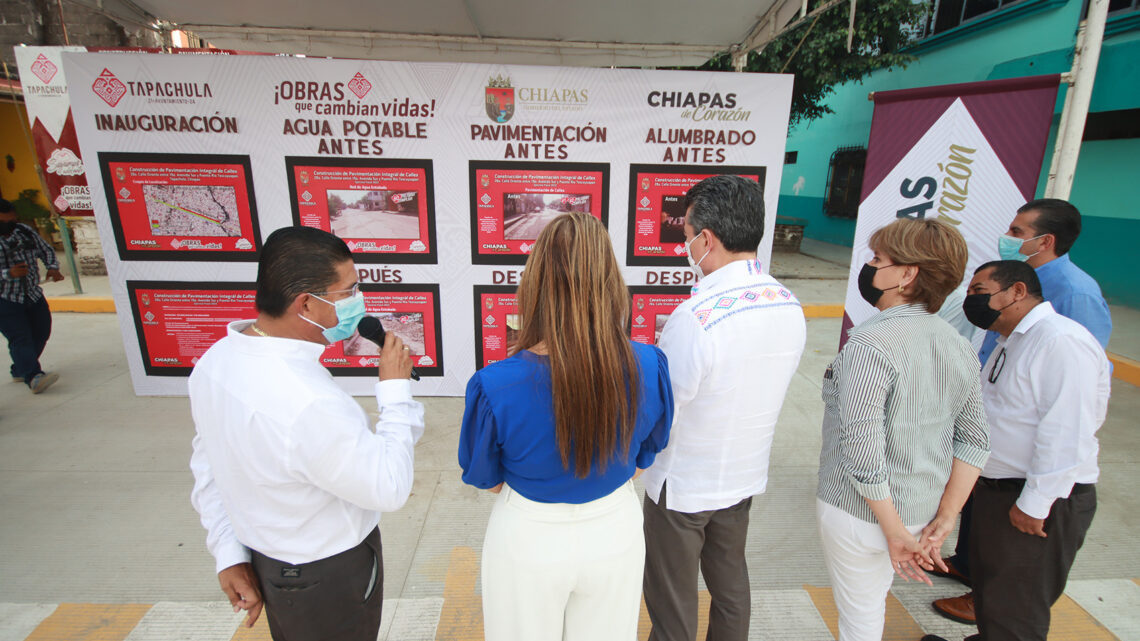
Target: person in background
<point>25,319</point>
<point>904,432</point>
<point>289,479</point>
<point>1036,497</point>
<point>733,348</point>
<point>1040,235</point>
<point>559,430</point>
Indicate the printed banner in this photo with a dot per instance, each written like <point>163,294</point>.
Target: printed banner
<point>513,201</point>
<point>657,209</point>
<point>176,322</point>
<point>438,176</point>
<point>48,103</point>
<point>408,311</point>
<point>383,209</point>
<point>496,323</point>
<point>967,154</point>
<point>181,206</point>
<point>650,308</point>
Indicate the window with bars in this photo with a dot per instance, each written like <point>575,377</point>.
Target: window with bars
<point>844,182</point>
<point>1118,6</point>
<point>944,15</point>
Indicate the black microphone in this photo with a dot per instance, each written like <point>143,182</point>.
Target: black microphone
<point>369,327</point>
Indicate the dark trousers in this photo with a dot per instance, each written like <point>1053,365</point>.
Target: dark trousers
<point>677,544</point>
<point>1018,577</point>
<point>333,599</point>
<point>961,558</point>
<point>27,327</point>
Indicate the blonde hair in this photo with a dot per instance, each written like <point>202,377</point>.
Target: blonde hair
<point>934,247</point>
<point>573,299</point>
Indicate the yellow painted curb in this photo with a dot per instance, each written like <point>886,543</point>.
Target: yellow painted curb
<point>87,304</point>
<point>823,311</point>
<point>1125,369</point>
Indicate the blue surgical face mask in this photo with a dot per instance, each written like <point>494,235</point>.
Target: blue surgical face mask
<point>1009,248</point>
<point>349,311</point>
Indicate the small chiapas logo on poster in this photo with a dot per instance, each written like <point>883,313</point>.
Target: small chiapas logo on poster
<point>500,99</point>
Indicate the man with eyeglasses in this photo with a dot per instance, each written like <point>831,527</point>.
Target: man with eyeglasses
<point>1045,390</point>
<point>289,477</point>
<point>1040,235</point>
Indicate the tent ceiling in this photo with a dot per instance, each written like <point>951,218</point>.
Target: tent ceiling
<point>575,32</point>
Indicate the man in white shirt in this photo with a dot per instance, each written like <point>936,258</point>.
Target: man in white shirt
<point>1045,388</point>
<point>733,348</point>
<point>289,478</point>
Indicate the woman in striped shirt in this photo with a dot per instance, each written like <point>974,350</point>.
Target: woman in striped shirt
<point>904,432</point>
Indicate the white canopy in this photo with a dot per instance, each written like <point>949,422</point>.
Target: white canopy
<point>597,33</point>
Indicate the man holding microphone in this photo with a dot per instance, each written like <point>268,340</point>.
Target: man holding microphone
<point>289,477</point>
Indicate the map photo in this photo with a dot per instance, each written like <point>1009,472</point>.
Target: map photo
<point>192,210</point>
<point>181,206</point>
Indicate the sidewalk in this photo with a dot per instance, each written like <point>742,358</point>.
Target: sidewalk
<point>100,541</point>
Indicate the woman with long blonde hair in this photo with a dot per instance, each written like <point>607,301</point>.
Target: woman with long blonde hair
<point>559,430</point>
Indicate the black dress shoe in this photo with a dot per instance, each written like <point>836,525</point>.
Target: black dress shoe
<point>933,637</point>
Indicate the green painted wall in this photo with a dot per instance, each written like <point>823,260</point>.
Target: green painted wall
<point>1030,38</point>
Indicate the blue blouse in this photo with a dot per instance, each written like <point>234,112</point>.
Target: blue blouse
<point>508,430</point>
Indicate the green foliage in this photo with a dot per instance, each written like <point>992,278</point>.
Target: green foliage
<point>28,207</point>
<point>822,61</point>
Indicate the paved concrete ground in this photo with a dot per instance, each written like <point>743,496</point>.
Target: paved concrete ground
<point>99,540</point>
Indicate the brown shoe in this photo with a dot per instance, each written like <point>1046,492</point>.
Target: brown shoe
<point>952,573</point>
<point>959,608</point>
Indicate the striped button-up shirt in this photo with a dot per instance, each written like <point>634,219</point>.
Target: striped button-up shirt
<point>902,399</point>
<point>23,245</point>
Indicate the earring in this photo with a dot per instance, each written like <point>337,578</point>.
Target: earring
<point>902,289</point>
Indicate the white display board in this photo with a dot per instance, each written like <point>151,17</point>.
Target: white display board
<point>438,176</point>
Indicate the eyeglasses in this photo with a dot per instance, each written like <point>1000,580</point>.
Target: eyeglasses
<point>352,291</point>
<point>999,365</point>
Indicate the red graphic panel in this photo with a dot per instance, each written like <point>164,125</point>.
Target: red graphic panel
<point>383,209</point>
<point>407,310</point>
<point>181,207</point>
<point>657,209</point>
<point>511,202</point>
<point>650,308</point>
<point>496,323</point>
<point>177,322</point>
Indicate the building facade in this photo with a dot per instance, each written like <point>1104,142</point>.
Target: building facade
<point>969,41</point>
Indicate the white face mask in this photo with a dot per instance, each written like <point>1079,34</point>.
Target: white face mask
<point>695,265</point>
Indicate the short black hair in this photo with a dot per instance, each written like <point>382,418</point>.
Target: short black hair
<point>732,207</point>
<point>1057,217</point>
<point>5,206</point>
<point>296,260</point>
<point>1008,272</point>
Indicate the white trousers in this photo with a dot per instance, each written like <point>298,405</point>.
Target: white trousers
<point>859,564</point>
<point>560,571</point>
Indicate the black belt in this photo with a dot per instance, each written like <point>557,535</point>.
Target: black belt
<point>1016,485</point>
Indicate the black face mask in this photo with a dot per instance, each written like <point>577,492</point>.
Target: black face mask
<point>867,289</point>
<point>7,227</point>
<point>978,311</point>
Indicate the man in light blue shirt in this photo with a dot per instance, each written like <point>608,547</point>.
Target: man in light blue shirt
<point>1040,235</point>
<point>1046,229</point>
